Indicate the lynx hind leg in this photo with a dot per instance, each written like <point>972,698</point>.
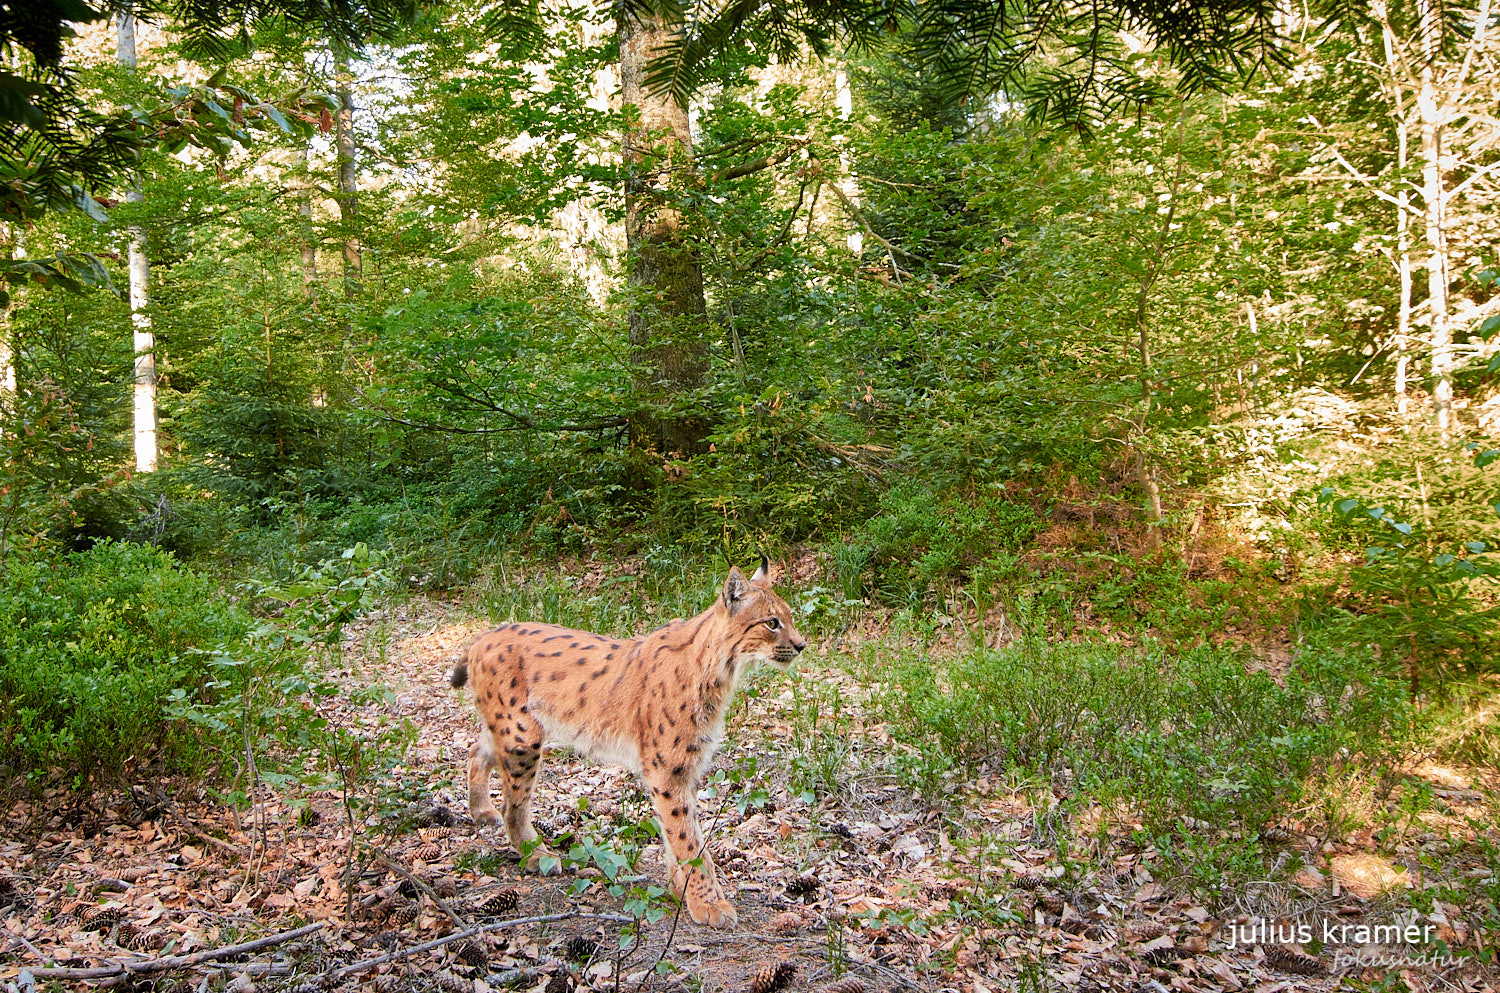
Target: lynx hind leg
<point>520,761</point>
<point>683,845</point>
<point>481,762</point>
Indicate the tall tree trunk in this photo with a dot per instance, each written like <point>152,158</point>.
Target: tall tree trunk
<point>11,235</point>
<point>348,180</point>
<point>1430,116</point>
<point>144,341</point>
<point>1399,113</point>
<point>668,315</point>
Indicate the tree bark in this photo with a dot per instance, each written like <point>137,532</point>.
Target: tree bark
<point>143,339</point>
<point>668,315</point>
<point>1399,111</point>
<point>1440,335</point>
<point>11,235</point>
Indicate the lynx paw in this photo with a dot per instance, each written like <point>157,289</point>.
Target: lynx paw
<point>716,913</point>
<point>484,816</point>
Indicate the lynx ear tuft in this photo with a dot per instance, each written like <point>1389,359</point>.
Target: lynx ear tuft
<point>736,587</point>
<point>763,574</point>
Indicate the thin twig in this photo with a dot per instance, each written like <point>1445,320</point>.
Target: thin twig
<point>402,953</point>
<point>166,963</point>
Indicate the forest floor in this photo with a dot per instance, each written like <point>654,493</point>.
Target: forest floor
<point>981,890</point>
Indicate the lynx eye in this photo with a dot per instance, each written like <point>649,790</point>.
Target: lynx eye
<point>773,624</point>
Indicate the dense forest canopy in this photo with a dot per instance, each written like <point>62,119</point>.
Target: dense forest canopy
<point>591,276</point>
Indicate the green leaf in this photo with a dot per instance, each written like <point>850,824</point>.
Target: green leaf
<point>1346,506</point>
<point>1490,324</point>
<point>1401,526</point>
<point>1476,547</point>
<point>276,117</point>
<point>1485,458</point>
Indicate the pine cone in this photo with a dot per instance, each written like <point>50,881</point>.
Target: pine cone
<point>785,923</point>
<point>387,982</point>
<point>1148,932</point>
<point>772,976</point>
<point>560,982</point>
<point>499,903</point>
<point>941,891</point>
<point>404,914</point>
<point>445,887</point>
<point>450,983</point>
<point>103,919</point>
<point>847,985</point>
<point>580,947</point>
<point>136,938</point>
<point>437,833</point>
<point>1052,902</point>
<point>381,911</point>
<point>1028,880</point>
<point>470,952</point>
<point>802,885</point>
<point>1290,959</point>
<point>408,889</point>
<point>427,853</point>
<point>439,816</point>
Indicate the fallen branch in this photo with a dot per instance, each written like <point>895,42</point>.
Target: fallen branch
<point>148,966</point>
<point>402,953</point>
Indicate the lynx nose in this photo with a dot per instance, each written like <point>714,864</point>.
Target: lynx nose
<point>799,644</point>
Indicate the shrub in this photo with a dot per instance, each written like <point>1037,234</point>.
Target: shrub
<point>920,538</point>
<point>1181,735</point>
<point>92,644</point>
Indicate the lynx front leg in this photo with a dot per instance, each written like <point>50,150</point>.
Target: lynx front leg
<point>684,845</point>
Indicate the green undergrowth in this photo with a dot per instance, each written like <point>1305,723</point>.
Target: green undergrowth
<point>93,647</point>
<point>1173,739</point>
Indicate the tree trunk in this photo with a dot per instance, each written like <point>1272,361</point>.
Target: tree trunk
<point>1430,115</point>
<point>348,180</point>
<point>144,340</point>
<point>11,234</point>
<point>1399,111</point>
<point>668,315</point>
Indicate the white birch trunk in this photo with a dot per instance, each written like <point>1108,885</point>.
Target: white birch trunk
<point>143,340</point>
<point>1399,111</point>
<point>13,235</point>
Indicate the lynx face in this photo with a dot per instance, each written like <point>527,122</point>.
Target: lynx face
<point>654,704</point>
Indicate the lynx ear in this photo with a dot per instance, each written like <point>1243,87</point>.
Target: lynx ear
<point>736,588</point>
<point>763,574</point>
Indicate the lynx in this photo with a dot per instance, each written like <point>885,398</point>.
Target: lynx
<point>654,704</point>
